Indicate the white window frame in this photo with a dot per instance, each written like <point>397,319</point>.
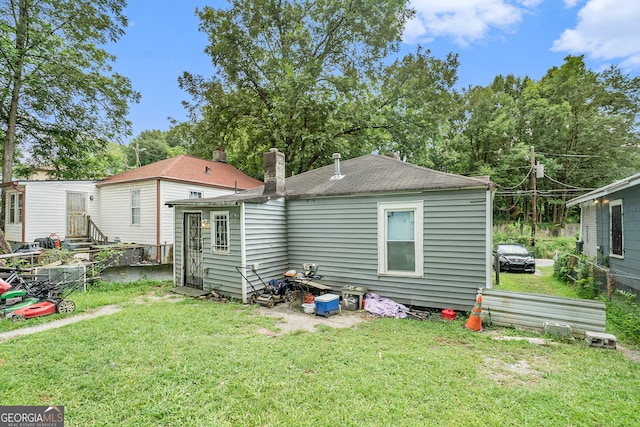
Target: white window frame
<point>220,244</point>
<point>135,211</point>
<point>195,194</point>
<point>418,209</point>
<point>611,205</point>
<point>15,208</point>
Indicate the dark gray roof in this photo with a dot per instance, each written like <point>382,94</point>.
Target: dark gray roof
<point>363,175</point>
<point>375,174</point>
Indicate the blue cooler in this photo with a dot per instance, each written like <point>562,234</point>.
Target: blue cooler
<point>327,305</point>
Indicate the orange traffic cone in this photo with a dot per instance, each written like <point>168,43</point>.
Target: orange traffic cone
<point>475,319</point>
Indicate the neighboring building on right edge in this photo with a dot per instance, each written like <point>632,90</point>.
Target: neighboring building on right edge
<point>610,228</point>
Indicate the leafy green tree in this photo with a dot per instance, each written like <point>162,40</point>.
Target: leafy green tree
<point>585,125</point>
<point>415,100</point>
<point>110,160</point>
<point>58,95</point>
<point>582,124</point>
<point>311,78</point>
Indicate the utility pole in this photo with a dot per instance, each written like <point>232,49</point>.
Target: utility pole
<point>534,211</point>
<point>138,150</point>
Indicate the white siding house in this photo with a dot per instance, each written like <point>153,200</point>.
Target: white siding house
<point>127,207</point>
<point>37,209</point>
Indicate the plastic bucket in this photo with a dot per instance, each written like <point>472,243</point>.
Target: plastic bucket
<point>309,308</point>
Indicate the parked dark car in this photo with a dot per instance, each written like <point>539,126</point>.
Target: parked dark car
<point>515,258</point>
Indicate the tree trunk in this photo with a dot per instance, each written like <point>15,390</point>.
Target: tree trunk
<point>12,119</point>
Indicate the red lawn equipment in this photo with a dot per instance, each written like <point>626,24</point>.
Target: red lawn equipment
<point>25,299</point>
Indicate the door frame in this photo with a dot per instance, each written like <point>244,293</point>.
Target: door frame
<point>69,227</point>
<point>192,268</point>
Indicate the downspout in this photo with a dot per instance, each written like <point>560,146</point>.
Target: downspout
<point>243,253</point>
<point>158,208</point>
<point>489,238</point>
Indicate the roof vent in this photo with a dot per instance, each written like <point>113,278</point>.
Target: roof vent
<point>336,161</point>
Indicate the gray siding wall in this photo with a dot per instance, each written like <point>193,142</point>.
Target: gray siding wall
<point>220,272</point>
<point>266,241</point>
<point>340,235</point>
<point>625,270</point>
<point>265,244</point>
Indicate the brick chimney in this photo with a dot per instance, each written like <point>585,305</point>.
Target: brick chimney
<point>219,155</point>
<point>274,172</point>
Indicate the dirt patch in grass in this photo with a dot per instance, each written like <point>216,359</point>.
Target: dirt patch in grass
<point>520,372</point>
<point>291,318</point>
<point>150,297</point>
<point>632,355</point>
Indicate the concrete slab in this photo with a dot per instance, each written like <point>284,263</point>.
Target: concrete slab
<point>190,292</point>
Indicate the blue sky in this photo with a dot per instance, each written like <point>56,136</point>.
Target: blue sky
<point>521,37</point>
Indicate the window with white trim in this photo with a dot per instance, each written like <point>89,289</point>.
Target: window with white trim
<point>400,239</point>
<point>195,194</point>
<point>220,232</point>
<point>15,208</point>
<point>135,207</point>
<point>615,216</point>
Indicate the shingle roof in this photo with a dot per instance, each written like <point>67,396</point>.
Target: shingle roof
<point>367,174</point>
<point>375,174</point>
<point>184,168</point>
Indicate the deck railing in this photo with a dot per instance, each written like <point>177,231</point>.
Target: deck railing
<point>94,232</point>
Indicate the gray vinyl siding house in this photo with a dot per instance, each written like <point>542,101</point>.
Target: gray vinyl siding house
<point>343,224</point>
<point>610,229</point>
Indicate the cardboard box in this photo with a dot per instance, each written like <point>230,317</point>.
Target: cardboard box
<point>327,304</point>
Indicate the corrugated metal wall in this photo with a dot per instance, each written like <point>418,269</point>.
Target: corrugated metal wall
<point>530,311</point>
<point>340,235</point>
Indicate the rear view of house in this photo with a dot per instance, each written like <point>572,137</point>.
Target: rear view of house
<point>416,235</point>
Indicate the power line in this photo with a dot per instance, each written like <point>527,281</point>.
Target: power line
<point>517,185</point>
<point>570,155</point>
<point>558,182</point>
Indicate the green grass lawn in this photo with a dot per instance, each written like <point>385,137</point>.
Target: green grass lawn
<point>202,363</point>
<point>539,283</point>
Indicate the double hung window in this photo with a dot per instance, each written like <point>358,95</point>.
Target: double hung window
<point>135,207</point>
<point>400,239</point>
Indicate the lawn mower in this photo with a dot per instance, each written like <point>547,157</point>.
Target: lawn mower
<point>275,291</point>
<point>37,298</point>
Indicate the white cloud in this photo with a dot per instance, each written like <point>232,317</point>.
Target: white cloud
<point>464,21</point>
<point>606,30</point>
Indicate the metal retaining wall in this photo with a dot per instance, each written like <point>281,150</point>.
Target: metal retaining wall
<point>531,311</point>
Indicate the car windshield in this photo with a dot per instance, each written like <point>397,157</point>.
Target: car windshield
<point>513,250</point>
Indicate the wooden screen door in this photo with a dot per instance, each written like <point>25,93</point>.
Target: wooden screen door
<point>76,214</point>
<point>193,250</point>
